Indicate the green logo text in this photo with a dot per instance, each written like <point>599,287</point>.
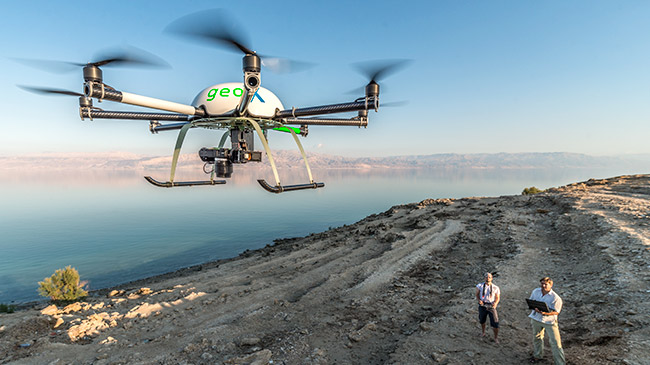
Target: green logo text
<point>225,92</point>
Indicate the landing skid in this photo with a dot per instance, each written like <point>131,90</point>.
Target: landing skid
<point>169,184</point>
<point>280,189</point>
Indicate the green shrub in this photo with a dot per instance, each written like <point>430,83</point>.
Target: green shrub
<point>531,190</point>
<point>7,308</point>
<point>63,285</point>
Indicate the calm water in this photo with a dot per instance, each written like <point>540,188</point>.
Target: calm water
<point>114,227</point>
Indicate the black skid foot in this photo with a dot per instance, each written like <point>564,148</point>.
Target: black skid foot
<point>169,184</point>
<point>279,189</point>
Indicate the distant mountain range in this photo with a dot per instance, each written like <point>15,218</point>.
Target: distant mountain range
<point>290,159</point>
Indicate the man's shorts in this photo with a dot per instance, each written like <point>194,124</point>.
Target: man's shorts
<point>484,312</point>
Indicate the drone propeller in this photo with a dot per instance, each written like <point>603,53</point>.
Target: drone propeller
<point>211,26</point>
<point>39,90</point>
<point>216,28</point>
<point>128,56</point>
<point>123,56</point>
<point>379,70</point>
<point>375,71</point>
<point>392,104</point>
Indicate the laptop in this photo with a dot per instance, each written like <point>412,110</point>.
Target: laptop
<point>542,306</point>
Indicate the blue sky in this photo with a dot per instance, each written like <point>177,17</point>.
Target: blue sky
<point>487,76</point>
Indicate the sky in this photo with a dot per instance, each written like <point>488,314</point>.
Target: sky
<point>485,77</point>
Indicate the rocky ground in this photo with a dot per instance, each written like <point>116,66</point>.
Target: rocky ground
<point>396,287</point>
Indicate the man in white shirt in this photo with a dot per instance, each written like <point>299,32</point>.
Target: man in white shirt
<point>542,321</point>
<point>488,296</point>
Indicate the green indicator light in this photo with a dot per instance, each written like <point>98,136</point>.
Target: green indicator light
<point>287,130</point>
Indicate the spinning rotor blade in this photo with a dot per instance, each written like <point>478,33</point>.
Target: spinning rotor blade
<point>283,65</point>
<point>57,67</point>
<point>211,26</point>
<point>123,56</point>
<point>379,70</point>
<point>392,104</point>
<point>39,90</point>
<point>216,27</point>
<point>376,71</point>
<point>128,56</point>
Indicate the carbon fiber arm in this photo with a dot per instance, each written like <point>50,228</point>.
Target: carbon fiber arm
<point>372,103</point>
<point>101,114</point>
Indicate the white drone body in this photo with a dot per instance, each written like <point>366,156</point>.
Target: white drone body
<point>222,98</point>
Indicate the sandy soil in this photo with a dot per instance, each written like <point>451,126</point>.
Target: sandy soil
<point>396,287</point>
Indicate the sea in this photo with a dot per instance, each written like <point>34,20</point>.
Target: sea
<point>114,227</point>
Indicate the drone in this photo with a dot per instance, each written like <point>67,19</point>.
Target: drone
<point>243,110</point>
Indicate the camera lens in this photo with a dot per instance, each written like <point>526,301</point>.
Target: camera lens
<point>253,81</point>
<point>224,168</point>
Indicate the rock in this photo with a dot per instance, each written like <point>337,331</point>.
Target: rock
<point>229,347</point>
<point>355,337</point>
<point>115,293</point>
<point>317,357</point>
<point>88,327</point>
<point>258,358</point>
<point>249,341</point>
<point>426,326</point>
<point>59,322</point>
<point>74,307</point>
<point>109,340</point>
<point>370,326</point>
<point>50,310</point>
<point>391,237</point>
<point>439,357</point>
<point>190,348</point>
<point>145,291</point>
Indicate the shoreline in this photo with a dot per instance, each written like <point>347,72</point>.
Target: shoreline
<point>178,273</point>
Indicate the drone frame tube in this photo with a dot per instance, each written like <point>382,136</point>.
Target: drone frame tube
<point>265,143</point>
<point>177,150</point>
<point>329,109</point>
<point>134,99</point>
<point>101,92</point>
<point>304,155</point>
<point>105,114</point>
<point>278,188</point>
<point>281,189</point>
<point>169,184</point>
<point>353,122</point>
